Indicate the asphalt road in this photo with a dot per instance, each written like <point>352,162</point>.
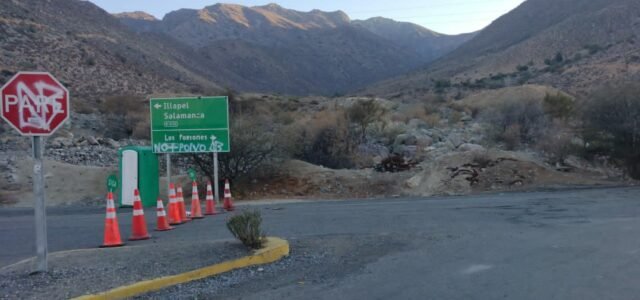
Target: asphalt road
<point>577,244</point>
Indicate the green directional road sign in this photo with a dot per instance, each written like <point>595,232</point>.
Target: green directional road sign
<point>190,125</point>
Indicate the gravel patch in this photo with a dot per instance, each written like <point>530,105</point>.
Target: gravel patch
<point>80,272</point>
<point>313,260</point>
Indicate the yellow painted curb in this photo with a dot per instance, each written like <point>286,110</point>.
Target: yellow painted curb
<point>274,250</point>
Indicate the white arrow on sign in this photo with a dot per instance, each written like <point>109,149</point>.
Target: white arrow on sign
<point>157,106</point>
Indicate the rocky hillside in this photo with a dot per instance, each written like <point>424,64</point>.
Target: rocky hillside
<point>270,48</point>
<point>92,53</point>
<point>570,44</point>
<point>427,44</point>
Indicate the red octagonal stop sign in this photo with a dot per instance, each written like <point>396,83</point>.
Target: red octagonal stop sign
<point>34,103</point>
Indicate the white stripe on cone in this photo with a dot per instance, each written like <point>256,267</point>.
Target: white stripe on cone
<point>138,212</point>
<point>180,199</point>
<point>161,212</point>
<point>111,215</point>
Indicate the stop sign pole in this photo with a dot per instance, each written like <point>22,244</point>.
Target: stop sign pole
<point>39,207</point>
<point>36,105</point>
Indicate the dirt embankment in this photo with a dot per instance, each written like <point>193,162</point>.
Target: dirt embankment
<point>462,173</point>
<point>65,184</point>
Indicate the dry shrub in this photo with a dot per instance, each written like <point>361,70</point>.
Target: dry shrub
<point>455,117</point>
<point>83,107</point>
<point>517,122</point>
<point>393,164</point>
<point>481,158</point>
<point>253,144</point>
<point>511,136</point>
<point>559,105</point>
<point>133,112</point>
<point>391,131</point>
<point>123,104</point>
<point>556,145</point>
<point>364,113</point>
<point>458,106</point>
<point>141,126</point>
<point>326,139</point>
<point>433,120</point>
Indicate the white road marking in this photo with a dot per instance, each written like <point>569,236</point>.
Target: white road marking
<point>476,268</point>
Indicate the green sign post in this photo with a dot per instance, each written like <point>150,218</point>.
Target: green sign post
<point>112,183</point>
<point>190,125</point>
<point>192,174</point>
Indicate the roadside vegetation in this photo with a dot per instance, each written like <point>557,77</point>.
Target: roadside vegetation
<point>246,227</point>
<point>596,131</point>
<point>611,118</point>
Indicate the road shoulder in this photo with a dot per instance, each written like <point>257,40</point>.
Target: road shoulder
<point>128,271</point>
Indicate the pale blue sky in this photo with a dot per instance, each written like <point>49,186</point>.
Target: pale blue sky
<point>445,16</point>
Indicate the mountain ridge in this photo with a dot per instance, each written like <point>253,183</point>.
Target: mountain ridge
<point>573,45</point>
<point>312,52</point>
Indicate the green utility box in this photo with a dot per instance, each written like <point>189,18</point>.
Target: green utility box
<point>138,169</point>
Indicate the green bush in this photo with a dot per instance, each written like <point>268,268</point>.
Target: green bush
<point>612,125</point>
<point>246,228</point>
<point>253,144</point>
<point>558,106</point>
<point>364,113</point>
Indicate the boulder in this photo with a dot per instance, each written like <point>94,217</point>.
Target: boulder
<point>456,140</point>
<point>414,181</point>
<point>470,147</point>
<point>61,142</point>
<point>406,139</point>
<point>424,140</point>
<point>405,151</point>
<point>92,141</point>
<point>447,145</point>
<point>418,124</point>
<point>112,143</point>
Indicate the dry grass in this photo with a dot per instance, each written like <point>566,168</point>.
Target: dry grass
<point>481,101</point>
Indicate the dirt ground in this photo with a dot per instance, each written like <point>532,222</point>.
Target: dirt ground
<point>457,173</point>
<point>302,180</point>
<point>65,184</point>
<point>79,272</point>
<point>463,173</point>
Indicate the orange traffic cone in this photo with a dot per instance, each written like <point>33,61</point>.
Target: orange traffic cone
<point>174,207</point>
<point>211,203</point>
<point>163,223</point>
<point>196,208</point>
<point>111,228</point>
<point>139,225</point>
<point>228,201</point>
<point>183,208</point>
